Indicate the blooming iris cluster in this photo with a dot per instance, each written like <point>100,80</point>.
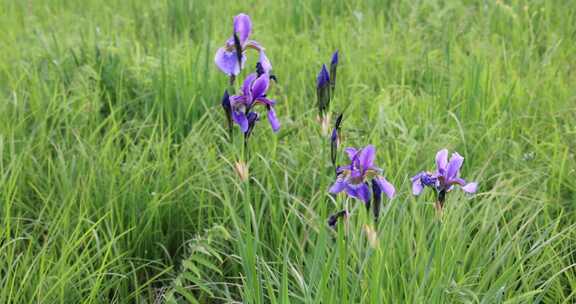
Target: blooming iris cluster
<point>444,179</point>
<point>361,179</point>
<point>239,108</point>
<point>231,57</point>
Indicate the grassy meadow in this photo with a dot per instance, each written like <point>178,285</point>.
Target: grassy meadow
<point>117,179</point>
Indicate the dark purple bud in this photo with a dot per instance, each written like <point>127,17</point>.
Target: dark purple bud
<point>334,58</point>
<point>323,78</point>
<point>333,219</point>
<point>333,67</point>
<point>226,103</point>
<point>252,119</point>
<point>335,139</point>
<point>377,198</point>
<point>323,89</point>
<point>228,111</point>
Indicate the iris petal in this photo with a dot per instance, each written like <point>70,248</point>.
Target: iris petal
<point>260,86</point>
<point>417,186</point>
<point>273,119</point>
<point>442,160</point>
<point>241,120</point>
<point>227,61</point>
<point>470,188</point>
<point>243,27</point>
<point>386,187</point>
<point>454,165</point>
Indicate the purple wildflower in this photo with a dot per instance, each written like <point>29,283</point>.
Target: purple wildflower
<point>252,93</point>
<point>231,58</point>
<point>444,179</point>
<point>353,179</point>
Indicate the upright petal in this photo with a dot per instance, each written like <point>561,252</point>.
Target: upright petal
<point>470,188</point>
<point>227,62</point>
<point>367,156</point>
<point>274,123</point>
<point>260,86</point>
<point>351,153</point>
<point>243,27</point>
<point>247,84</point>
<point>417,186</point>
<point>442,160</point>
<point>386,186</point>
<point>454,165</point>
<point>241,120</point>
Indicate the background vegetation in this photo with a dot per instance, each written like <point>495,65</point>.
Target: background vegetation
<point>117,180</point>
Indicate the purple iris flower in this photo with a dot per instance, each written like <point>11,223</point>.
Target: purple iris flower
<point>252,93</point>
<point>444,179</point>
<point>353,179</point>
<point>231,58</point>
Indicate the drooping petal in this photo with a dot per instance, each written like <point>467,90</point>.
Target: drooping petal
<point>470,188</point>
<point>241,120</point>
<point>247,84</point>
<point>227,61</point>
<point>265,63</point>
<point>454,165</point>
<point>243,27</point>
<point>253,44</point>
<point>351,152</point>
<point>338,186</point>
<point>361,192</point>
<point>260,86</point>
<point>274,122</point>
<point>238,100</point>
<point>386,186</point>
<point>442,160</point>
<point>367,156</point>
<point>265,101</point>
<point>417,186</point>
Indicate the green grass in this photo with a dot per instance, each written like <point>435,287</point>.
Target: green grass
<point>117,180</point>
